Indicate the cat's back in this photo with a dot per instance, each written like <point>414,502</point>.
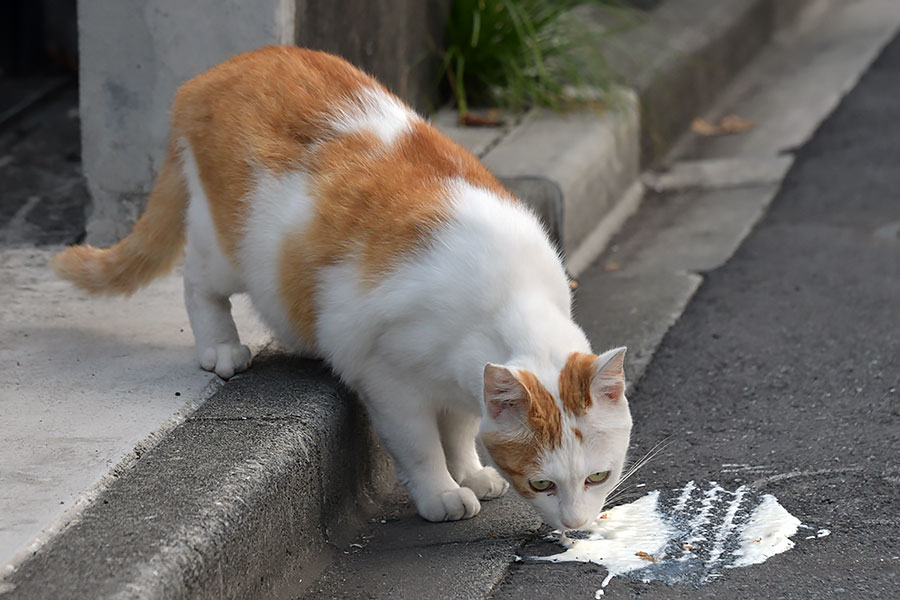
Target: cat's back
<point>275,91</point>
<point>306,163</point>
<point>281,111</point>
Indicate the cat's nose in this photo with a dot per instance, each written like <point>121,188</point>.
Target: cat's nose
<point>573,524</point>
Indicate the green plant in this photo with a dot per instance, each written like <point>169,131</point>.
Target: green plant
<point>519,53</point>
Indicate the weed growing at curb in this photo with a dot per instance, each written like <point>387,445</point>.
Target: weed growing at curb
<point>516,54</point>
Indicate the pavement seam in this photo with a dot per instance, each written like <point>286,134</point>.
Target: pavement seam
<point>518,121</point>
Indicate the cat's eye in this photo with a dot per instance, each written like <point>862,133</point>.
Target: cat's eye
<point>597,478</point>
<point>541,485</point>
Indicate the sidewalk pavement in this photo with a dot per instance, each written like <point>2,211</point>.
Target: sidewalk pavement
<point>87,385</point>
<point>100,398</point>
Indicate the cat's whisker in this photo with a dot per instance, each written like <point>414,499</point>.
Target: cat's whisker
<point>637,465</point>
<point>650,455</point>
<point>641,462</point>
<point>618,494</point>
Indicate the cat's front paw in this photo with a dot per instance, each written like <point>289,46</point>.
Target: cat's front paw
<point>452,505</point>
<point>225,359</point>
<point>486,483</point>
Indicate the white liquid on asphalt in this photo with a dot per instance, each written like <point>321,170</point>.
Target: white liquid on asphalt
<point>614,541</point>
<point>766,534</point>
<point>688,535</point>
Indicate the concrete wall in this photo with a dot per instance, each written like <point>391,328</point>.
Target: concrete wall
<point>391,39</point>
<point>134,54</point>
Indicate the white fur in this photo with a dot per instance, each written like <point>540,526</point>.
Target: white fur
<point>278,207</point>
<point>375,111</point>
<point>215,271</point>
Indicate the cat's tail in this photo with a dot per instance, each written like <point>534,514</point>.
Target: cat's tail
<point>151,249</point>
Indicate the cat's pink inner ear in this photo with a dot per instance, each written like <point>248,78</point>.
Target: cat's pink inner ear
<point>609,378</point>
<point>502,391</point>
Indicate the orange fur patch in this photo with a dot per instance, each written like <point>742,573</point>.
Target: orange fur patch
<point>259,109</point>
<point>543,414</point>
<point>516,458</point>
<point>578,434</point>
<point>575,383</point>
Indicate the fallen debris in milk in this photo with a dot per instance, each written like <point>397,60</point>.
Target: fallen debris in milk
<point>687,535</point>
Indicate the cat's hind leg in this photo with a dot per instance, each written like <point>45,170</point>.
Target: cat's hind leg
<point>219,348</point>
<point>459,433</point>
<point>209,281</point>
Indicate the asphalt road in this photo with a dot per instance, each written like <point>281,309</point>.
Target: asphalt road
<point>787,361</point>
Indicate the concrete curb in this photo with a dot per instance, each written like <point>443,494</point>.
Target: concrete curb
<point>255,493</point>
<point>252,494</point>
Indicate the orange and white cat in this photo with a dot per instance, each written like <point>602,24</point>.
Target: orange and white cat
<point>365,237</point>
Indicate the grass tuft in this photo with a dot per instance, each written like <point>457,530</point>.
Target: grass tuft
<point>515,54</point>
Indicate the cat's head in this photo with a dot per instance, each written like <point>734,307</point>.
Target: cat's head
<point>561,444</point>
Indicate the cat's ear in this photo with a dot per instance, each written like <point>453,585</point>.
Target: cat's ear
<point>505,398</point>
<point>609,377</point>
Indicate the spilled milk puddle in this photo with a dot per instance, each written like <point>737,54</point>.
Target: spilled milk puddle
<point>690,535</point>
